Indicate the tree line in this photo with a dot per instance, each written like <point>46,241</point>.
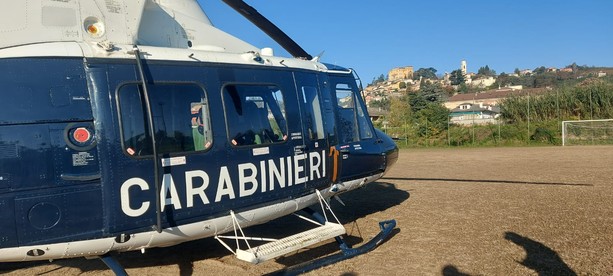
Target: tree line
<point>421,119</point>
<point>591,99</point>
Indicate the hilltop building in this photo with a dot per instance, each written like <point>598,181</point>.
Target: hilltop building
<point>400,73</point>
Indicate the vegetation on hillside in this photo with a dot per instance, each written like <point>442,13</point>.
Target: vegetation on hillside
<point>591,99</point>
<point>419,118</point>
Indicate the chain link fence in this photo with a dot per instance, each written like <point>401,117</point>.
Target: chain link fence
<point>477,133</point>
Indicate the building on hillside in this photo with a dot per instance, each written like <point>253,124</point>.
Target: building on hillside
<point>377,114</point>
<point>480,82</point>
<point>525,72</point>
<point>491,97</point>
<point>400,73</point>
<point>478,114</point>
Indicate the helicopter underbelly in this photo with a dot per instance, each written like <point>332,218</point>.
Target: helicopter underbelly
<point>174,235</point>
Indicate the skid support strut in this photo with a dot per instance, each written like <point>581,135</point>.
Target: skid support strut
<point>346,251</point>
<point>112,263</point>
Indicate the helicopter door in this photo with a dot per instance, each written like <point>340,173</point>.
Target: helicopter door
<point>314,133</point>
<point>358,145</point>
<point>181,127</point>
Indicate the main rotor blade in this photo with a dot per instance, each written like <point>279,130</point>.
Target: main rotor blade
<point>269,28</point>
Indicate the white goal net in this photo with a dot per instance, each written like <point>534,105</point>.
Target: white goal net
<point>587,132</point>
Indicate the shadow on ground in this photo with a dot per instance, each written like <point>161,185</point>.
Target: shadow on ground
<point>450,270</point>
<point>539,258</point>
<point>372,198</point>
<point>488,181</point>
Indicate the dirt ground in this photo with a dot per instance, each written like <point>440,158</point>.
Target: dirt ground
<point>484,211</point>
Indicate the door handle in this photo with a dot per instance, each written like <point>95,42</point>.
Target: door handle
<point>80,177</point>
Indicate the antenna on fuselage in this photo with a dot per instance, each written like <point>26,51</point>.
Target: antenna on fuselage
<point>318,57</point>
<point>269,28</point>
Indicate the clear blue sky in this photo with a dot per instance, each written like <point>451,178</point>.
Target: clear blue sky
<point>375,36</point>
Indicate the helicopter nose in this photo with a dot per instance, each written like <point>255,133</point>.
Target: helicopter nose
<point>388,148</point>
<point>391,155</point>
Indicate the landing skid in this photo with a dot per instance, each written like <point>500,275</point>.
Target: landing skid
<point>324,231</point>
<point>283,246</point>
<point>112,264</point>
<point>346,252</point>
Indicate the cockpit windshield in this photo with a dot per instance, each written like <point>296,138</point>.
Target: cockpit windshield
<point>354,124</point>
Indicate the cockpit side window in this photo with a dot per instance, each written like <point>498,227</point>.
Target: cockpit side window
<point>353,122</point>
<point>180,118</point>
<point>255,114</point>
<point>366,131</point>
<point>346,112</point>
<point>313,120</point>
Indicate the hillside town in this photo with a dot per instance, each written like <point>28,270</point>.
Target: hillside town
<point>471,98</point>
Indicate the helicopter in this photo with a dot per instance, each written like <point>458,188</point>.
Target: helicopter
<point>127,125</point>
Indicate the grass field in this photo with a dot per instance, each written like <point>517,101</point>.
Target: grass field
<point>468,211</point>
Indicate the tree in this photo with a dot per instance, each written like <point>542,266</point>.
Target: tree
<point>456,77</point>
<point>381,78</point>
<point>540,70</point>
<point>544,80</point>
<point>384,103</point>
<point>428,93</point>
<point>400,112</point>
<point>432,119</point>
<point>504,80</point>
<point>417,101</point>
<point>463,88</point>
<point>573,66</point>
<point>425,73</point>
<point>432,92</point>
<point>486,71</point>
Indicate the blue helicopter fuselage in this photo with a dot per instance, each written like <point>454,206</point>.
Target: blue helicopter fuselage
<point>77,140</point>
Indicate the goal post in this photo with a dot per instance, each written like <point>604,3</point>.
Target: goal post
<point>587,132</point>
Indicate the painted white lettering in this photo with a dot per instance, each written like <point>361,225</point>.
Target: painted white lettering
<point>275,174</point>
<point>243,179</point>
<point>290,179</point>
<point>271,174</point>
<point>125,197</point>
<point>169,184</point>
<point>224,185</point>
<point>298,168</point>
<point>314,166</point>
<point>323,167</point>
<point>192,192</point>
<point>263,175</point>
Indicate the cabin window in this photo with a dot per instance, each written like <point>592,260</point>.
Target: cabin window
<point>353,121</point>
<point>366,131</point>
<point>255,114</point>
<point>180,117</point>
<point>313,119</point>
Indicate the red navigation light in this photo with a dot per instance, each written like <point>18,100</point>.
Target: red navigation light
<point>92,29</point>
<point>81,135</point>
